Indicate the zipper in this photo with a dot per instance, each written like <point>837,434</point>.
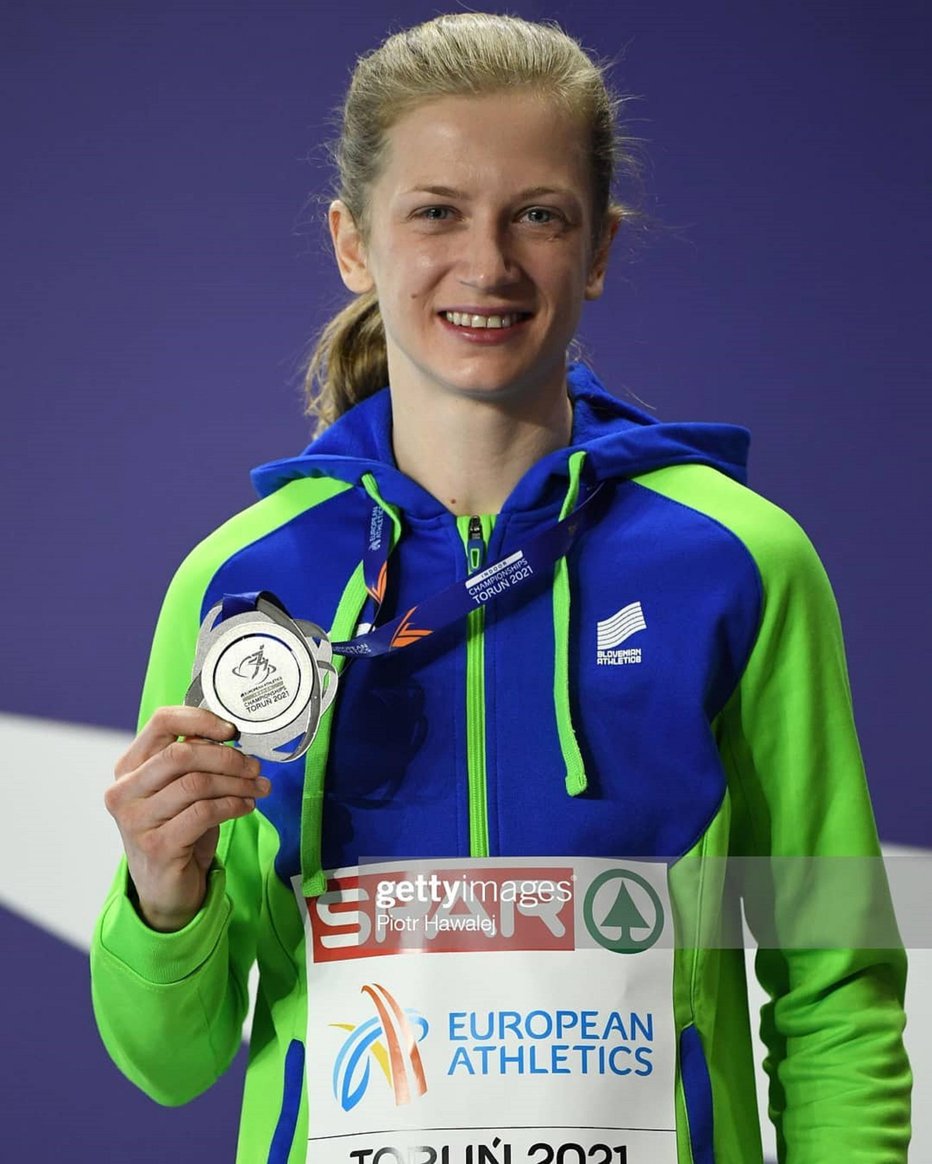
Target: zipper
<point>475,545</point>
<point>475,532</point>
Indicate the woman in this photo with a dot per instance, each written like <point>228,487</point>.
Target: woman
<point>650,670</point>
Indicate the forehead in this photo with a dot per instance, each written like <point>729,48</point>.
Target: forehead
<point>498,140</point>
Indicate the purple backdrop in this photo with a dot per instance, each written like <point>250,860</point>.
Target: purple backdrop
<point>166,266</point>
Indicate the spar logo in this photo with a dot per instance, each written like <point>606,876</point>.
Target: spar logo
<point>389,1039</point>
<point>623,912</point>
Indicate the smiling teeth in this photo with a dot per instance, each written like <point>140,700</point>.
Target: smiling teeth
<point>461,319</point>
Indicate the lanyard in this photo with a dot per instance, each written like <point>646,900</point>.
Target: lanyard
<point>453,602</point>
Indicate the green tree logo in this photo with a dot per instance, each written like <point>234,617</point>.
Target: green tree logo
<point>623,928</point>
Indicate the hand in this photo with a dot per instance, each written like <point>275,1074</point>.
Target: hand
<point>169,799</point>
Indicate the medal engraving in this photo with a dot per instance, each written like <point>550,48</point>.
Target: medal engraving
<point>270,675</point>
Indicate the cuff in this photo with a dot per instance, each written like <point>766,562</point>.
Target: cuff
<point>164,958</point>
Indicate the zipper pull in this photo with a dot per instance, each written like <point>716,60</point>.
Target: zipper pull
<point>475,545</point>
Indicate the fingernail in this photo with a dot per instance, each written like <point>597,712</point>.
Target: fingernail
<point>264,785</point>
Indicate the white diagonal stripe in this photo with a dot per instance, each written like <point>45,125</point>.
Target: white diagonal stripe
<point>622,625</point>
<point>618,633</point>
<point>617,624</point>
<point>631,611</point>
<point>609,639</point>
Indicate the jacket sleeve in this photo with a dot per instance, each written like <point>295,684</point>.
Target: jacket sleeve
<point>170,1007</point>
<point>839,1077</point>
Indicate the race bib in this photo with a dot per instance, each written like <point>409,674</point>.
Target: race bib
<point>491,1011</point>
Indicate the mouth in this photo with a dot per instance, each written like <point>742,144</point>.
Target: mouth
<point>485,321</point>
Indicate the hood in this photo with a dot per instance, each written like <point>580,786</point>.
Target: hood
<point>619,440</point>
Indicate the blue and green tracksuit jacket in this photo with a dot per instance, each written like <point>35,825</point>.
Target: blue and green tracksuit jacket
<point>510,734</point>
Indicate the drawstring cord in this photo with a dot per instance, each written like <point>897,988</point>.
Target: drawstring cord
<point>353,600</point>
<point>348,612</point>
<point>576,782</point>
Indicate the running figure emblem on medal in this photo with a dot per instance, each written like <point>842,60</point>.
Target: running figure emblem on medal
<point>270,675</point>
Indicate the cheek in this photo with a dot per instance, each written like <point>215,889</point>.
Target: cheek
<point>407,274</point>
<point>560,267</point>
<point>564,290</point>
<point>425,266</point>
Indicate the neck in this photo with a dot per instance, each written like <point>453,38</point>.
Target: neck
<point>470,453</point>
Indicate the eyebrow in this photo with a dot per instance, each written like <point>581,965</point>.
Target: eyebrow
<point>531,192</point>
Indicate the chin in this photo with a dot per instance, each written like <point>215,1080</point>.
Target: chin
<point>519,385</point>
<point>485,375</point>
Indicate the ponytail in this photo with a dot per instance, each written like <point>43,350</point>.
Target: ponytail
<point>348,362</point>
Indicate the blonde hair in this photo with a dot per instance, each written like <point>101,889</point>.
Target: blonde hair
<point>464,54</point>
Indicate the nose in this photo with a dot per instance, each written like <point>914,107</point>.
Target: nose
<point>487,261</point>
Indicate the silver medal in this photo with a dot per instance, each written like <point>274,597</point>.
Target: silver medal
<point>267,673</point>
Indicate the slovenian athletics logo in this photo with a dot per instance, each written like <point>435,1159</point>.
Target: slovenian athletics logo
<point>397,1056</point>
<point>622,625</point>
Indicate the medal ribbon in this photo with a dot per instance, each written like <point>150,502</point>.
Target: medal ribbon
<point>510,573</point>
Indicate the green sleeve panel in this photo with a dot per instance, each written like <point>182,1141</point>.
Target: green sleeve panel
<point>839,1077</point>
<point>170,1007</point>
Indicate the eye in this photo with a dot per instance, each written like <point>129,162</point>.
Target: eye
<point>434,213</point>
<point>542,216</point>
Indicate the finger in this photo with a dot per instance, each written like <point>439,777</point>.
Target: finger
<point>165,726</point>
<point>178,758</point>
<point>183,831</point>
<point>188,789</point>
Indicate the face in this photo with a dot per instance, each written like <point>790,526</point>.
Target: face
<point>479,244</point>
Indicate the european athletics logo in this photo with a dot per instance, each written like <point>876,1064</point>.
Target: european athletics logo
<point>398,1056</point>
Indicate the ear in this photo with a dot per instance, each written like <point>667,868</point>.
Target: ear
<point>348,248</point>
<point>595,283</point>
